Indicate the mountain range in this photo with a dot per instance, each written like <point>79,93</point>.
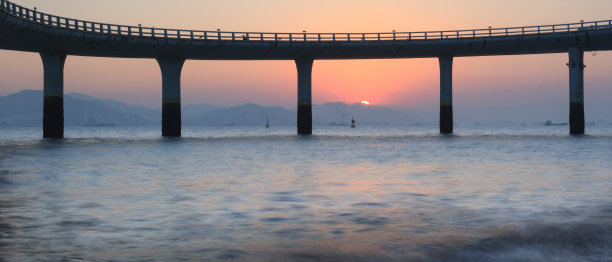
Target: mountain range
<point>25,109</point>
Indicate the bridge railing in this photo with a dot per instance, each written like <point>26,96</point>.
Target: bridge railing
<point>165,33</point>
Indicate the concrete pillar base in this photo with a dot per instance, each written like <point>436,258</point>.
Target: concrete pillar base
<point>446,119</point>
<point>171,119</point>
<point>53,117</point>
<point>53,92</point>
<point>304,124</point>
<point>576,118</point>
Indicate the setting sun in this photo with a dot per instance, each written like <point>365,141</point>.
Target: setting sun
<point>365,103</point>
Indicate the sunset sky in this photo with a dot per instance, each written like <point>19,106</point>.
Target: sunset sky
<point>517,88</point>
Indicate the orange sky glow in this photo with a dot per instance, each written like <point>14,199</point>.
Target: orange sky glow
<point>529,80</point>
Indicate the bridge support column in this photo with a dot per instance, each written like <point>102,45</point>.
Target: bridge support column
<point>304,112</point>
<point>576,74</point>
<point>53,92</point>
<point>171,95</point>
<point>446,94</point>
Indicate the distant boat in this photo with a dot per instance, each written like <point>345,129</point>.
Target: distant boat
<point>353,123</point>
<point>268,123</point>
<point>549,123</point>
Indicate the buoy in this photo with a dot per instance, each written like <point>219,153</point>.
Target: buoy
<point>353,122</point>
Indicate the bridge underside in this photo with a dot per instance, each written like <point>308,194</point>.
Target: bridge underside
<point>54,44</point>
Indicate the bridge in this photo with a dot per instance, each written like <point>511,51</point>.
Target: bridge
<point>55,37</point>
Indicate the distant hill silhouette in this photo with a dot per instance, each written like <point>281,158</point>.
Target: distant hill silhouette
<point>25,109</point>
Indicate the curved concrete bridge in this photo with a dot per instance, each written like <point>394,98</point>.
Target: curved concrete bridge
<point>55,37</point>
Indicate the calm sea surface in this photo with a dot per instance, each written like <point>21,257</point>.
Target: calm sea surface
<point>510,193</point>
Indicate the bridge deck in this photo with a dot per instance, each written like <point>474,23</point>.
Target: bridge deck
<point>25,29</point>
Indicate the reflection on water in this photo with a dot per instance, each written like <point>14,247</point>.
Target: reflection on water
<point>376,194</point>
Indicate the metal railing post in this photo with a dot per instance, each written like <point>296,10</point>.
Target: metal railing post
<point>275,37</point>
<point>319,36</point>
<point>425,36</point>
<point>205,35</point>
<point>290,37</point>
<point>233,37</point>
<point>165,33</point>
<point>378,36</point>
<point>334,37</point>
<point>348,37</point>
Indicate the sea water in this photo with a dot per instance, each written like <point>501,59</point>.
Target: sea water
<point>486,193</point>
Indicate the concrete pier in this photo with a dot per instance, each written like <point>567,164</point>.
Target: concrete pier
<point>576,95</point>
<point>171,95</point>
<point>53,92</point>
<point>304,112</point>
<point>446,94</point>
